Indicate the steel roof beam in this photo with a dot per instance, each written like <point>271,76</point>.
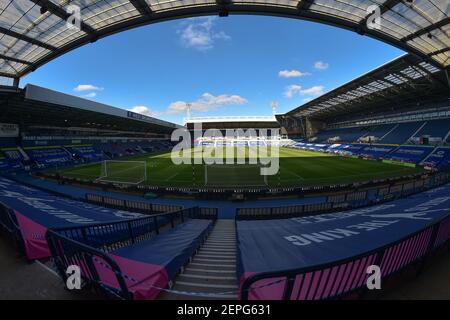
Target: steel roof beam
<point>142,7</point>
<point>386,6</point>
<point>7,75</point>
<point>443,50</point>
<point>2,56</point>
<point>62,14</point>
<point>25,38</point>
<point>426,30</point>
<point>223,7</point>
<point>304,5</point>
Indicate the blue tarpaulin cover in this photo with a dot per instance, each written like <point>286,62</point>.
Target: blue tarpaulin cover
<point>273,245</point>
<point>149,265</point>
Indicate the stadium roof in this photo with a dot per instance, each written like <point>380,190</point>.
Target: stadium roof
<point>238,122</point>
<point>33,32</point>
<point>36,93</point>
<point>231,119</point>
<point>39,106</point>
<point>405,80</point>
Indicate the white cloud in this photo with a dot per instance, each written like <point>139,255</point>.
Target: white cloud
<point>145,111</point>
<point>206,102</point>
<point>90,95</point>
<point>292,74</point>
<point>291,90</point>
<point>313,91</point>
<point>201,34</point>
<point>320,65</point>
<point>86,87</point>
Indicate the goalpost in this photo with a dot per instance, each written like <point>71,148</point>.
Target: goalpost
<point>234,175</point>
<point>127,172</point>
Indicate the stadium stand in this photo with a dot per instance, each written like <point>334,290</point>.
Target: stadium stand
<point>435,129</point>
<point>27,213</point>
<point>345,199</point>
<point>13,159</point>
<point>49,157</point>
<point>439,158</point>
<point>380,131</point>
<point>131,260</point>
<point>402,133</point>
<point>386,134</point>
<point>317,257</point>
<point>340,135</point>
<point>374,151</point>
<point>86,153</point>
<point>377,115</point>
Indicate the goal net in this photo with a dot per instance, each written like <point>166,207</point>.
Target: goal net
<point>128,172</point>
<point>235,175</point>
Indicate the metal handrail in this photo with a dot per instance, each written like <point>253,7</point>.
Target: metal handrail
<point>291,274</point>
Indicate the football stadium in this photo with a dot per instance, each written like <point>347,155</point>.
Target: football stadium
<point>343,190</point>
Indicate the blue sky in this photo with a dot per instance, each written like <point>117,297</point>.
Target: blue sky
<point>223,66</point>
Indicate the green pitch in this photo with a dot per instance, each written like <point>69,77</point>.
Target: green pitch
<point>297,168</point>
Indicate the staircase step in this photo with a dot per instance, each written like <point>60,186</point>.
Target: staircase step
<point>215,258</point>
<point>222,241</point>
<point>212,270</point>
<point>215,248</point>
<point>207,285</point>
<point>202,254</point>
<point>206,292</point>
<point>193,269</point>
<point>200,264</point>
<point>206,277</point>
<point>231,253</point>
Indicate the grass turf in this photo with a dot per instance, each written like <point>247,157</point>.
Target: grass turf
<point>297,168</point>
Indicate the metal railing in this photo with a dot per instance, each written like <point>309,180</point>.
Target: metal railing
<point>87,246</point>
<point>135,206</point>
<point>343,277</point>
<point>346,200</point>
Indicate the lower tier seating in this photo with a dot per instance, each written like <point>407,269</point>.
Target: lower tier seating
<point>410,154</point>
<point>320,242</point>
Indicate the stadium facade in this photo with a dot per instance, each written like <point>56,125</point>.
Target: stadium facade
<point>77,184</point>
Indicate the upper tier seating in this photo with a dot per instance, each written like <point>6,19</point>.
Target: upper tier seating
<point>402,133</point>
<point>130,148</point>
<point>389,133</point>
<point>8,143</point>
<point>379,131</point>
<point>343,135</point>
<point>88,153</point>
<point>10,159</point>
<point>435,128</point>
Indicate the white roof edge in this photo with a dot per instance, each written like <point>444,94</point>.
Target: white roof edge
<point>231,119</point>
